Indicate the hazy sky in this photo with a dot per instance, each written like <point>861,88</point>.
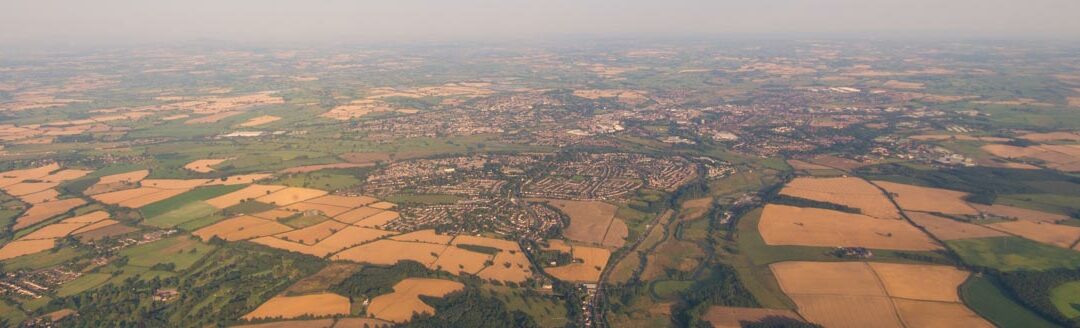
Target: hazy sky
<point>137,21</point>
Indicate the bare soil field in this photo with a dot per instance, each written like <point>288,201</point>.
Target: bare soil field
<point>949,229</point>
<point>400,305</point>
<point>288,307</point>
<point>24,247</point>
<point>204,165</point>
<point>789,225</point>
<point>589,220</point>
<point>1054,234</point>
<point>593,261</point>
<point>43,212</point>
<point>259,120</point>
<point>316,167</point>
<point>290,195</point>
<point>848,191</point>
<point>343,201</point>
<point>937,314</point>
<point>926,199</point>
<point>1020,213</point>
<point>249,192</point>
<point>241,228</point>
<point>734,317</point>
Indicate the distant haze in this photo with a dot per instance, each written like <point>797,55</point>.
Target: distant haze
<point>341,21</point>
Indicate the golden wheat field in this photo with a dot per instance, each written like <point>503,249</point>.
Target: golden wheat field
<point>804,226</point>
<point>400,305</point>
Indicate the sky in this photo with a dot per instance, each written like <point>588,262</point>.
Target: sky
<point>361,21</point>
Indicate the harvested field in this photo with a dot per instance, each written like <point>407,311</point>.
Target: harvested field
<point>288,307</point>
<point>735,317</point>
<point>937,314</point>
<point>204,165</point>
<point>504,245</point>
<point>830,278</point>
<point>129,177</point>
<point>378,220</point>
<point>926,199</point>
<point>789,225</point>
<point>290,195</point>
<point>1054,234</point>
<point>53,231</point>
<point>949,229</point>
<point>588,271</point>
<point>1020,213</point>
<point>259,120</point>
<point>349,237</point>
<point>558,245</point>
<point>91,217</point>
<point>848,191</point>
<point>400,305</point>
<point>65,175</point>
<point>328,210</point>
<point>15,176</point>
<point>144,200</point>
<point>313,323</point>
<point>508,266</point>
<point>1060,157</point>
<point>356,215</point>
<point>174,183</point>
<point>249,192</point>
<point>454,259</point>
<point>94,226</point>
<point>366,158</point>
<point>241,228</point>
<point>424,236</point>
<point>1052,136</point>
<point>24,247</point>
<point>40,197</point>
<point>362,322</point>
<point>26,188</point>
<point>116,197</point>
<point>343,201</point>
<point>589,220</point>
<point>313,168</point>
<point>43,212</point>
<point>390,252</point>
<point>920,282</point>
<point>855,311</point>
<point>312,234</point>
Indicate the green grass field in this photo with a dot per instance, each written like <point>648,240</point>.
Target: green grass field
<point>669,289</point>
<point>989,301</point>
<point>323,179</point>
<point>200,222</point>
<point>178,201</point>
<point>83,283</point>
<point>547,312</point>
<point>1013,253</point>
<point>180,250</point>
<point>1066,298</point>
<point>11,313</point>
<point>191,211</point>
<point>42,260</point>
